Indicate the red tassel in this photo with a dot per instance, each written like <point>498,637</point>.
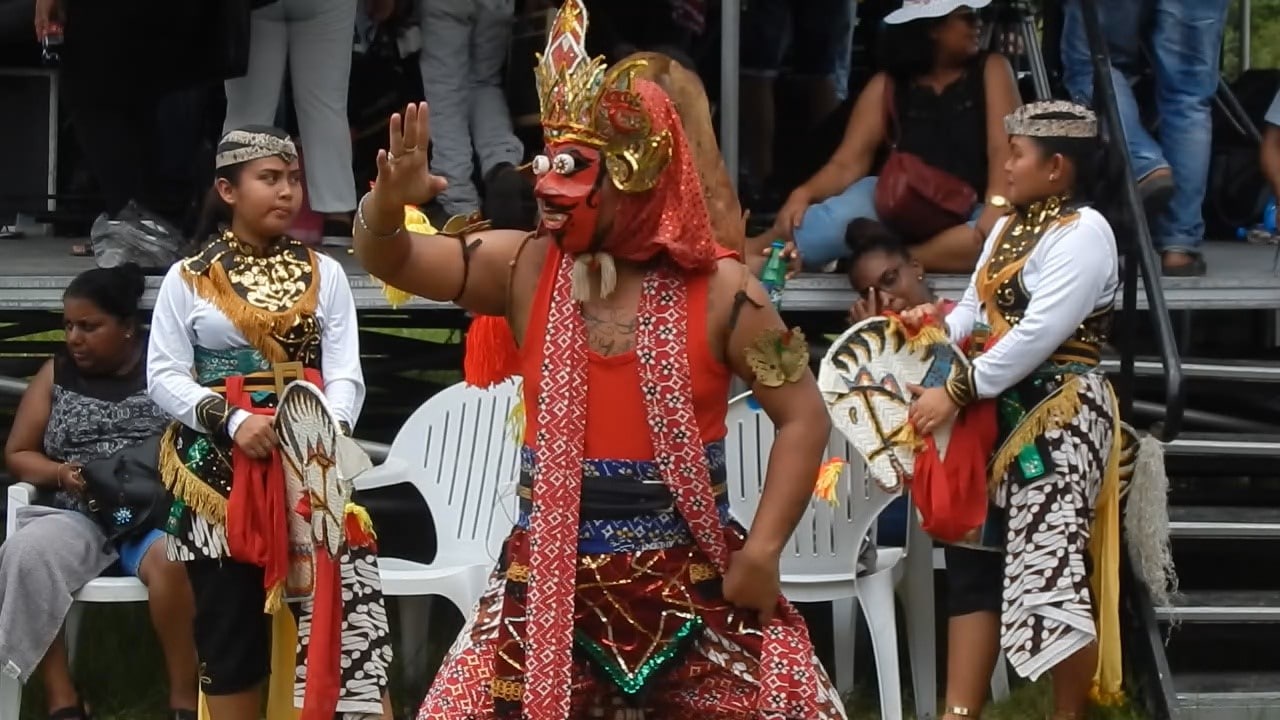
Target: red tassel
<point>491,354</point>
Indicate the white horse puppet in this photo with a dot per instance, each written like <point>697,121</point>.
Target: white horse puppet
<point>864,378</point>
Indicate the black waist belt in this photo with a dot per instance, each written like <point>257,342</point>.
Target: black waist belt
<point>620,495</point>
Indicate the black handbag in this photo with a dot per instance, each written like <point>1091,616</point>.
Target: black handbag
<point>125,493</point>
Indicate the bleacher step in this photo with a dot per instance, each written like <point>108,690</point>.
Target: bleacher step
<point>1228,696</point>
<point>1224,522</point>
<point>1223,606</point>
<point>1193,369</point>
<point>1224,445</point>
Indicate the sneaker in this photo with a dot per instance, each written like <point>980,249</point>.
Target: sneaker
<point>1192,266</point>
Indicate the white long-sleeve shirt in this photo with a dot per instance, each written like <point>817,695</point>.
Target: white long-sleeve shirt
<point>1071,272</point>
<point>182,320</point>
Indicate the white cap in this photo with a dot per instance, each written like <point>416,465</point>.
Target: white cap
<point>925,9</point>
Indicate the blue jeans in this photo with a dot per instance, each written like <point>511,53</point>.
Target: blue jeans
<point>1185,42</point>
<point>820,237</point>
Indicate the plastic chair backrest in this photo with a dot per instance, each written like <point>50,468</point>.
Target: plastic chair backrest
<point>827,538</point>
<point>465,465</point>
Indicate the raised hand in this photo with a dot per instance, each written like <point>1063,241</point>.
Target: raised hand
<point>403,177</point>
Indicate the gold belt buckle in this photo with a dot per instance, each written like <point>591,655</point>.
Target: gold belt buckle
<point>285,373</point>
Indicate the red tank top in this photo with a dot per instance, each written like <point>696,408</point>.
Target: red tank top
<point>617,426</point>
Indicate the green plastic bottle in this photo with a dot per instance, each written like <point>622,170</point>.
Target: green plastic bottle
<point>774,275</point>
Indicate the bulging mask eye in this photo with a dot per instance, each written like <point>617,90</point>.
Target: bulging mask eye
<point>541,164</point>
<point>564,163</point>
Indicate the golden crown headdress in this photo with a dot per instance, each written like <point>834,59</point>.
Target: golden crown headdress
<point>585,101</point>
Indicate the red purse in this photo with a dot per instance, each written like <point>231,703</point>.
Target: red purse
<point>914,198</point>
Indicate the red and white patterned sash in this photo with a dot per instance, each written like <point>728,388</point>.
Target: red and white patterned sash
<point>788,685</point>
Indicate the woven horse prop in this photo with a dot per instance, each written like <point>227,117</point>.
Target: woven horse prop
<point>864,378</point>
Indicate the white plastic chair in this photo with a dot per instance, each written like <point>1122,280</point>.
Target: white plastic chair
<point>821,561</point>
<point>98,590</point>
<point>457,452</point>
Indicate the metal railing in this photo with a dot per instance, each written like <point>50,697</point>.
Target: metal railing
<point>1142,631</point>
<point>1140,252</point>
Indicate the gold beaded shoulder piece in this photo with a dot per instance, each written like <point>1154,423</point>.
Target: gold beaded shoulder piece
<point>267,295</point>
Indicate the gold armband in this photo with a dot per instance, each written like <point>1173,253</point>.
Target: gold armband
<point>778,356</point>
<point>960,387</point>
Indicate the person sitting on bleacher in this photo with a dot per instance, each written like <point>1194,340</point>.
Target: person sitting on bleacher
<point>85,405</point>
<point>940,99</point>
<point>888,279</point>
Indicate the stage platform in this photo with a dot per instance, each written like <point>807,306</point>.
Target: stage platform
<point>34,272</point>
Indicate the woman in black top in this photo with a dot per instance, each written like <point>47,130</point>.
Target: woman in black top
<point>950,100</point>
<point>84,405</point>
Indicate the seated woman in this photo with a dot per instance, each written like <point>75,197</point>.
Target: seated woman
<point>949,100</point>
<point>887,278</point>
<point>1034,316</point>
<point>81,406</point>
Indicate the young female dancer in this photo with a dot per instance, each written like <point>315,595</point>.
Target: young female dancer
<point>259,510</point>
<point>1035,315</point>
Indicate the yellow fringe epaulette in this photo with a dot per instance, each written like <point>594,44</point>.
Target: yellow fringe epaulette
<point>260,327</point>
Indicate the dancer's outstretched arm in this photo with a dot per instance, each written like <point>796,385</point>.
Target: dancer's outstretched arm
<point>472,271</point>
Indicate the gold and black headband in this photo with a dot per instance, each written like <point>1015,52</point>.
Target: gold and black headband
<point>1028,120</point>
<point>239,146</point>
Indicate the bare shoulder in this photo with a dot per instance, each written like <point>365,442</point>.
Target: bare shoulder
<point>734,293</point>
<point>997,68</point>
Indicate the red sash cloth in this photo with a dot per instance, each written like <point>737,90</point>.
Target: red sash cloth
<point>258,534</point>
<point>951,495</point>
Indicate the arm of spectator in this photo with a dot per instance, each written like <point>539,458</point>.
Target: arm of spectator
<point>863,136</point>
<point>1271,146</point>
<point>24,456</point>
<point>1002,99</point>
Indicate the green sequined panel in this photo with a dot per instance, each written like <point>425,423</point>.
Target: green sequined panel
<point>214,365</point>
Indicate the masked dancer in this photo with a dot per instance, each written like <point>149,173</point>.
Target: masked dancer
<point>1035,316</point>
<point>625,590</point>
<point>244,334</point>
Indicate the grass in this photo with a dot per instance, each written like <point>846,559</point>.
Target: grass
<point>120,671</point>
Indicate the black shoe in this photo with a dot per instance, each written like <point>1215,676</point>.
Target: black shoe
<point>1196,268</point>
<point>508,199</point>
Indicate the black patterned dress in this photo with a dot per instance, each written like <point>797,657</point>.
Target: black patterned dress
<point>92,417</point>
